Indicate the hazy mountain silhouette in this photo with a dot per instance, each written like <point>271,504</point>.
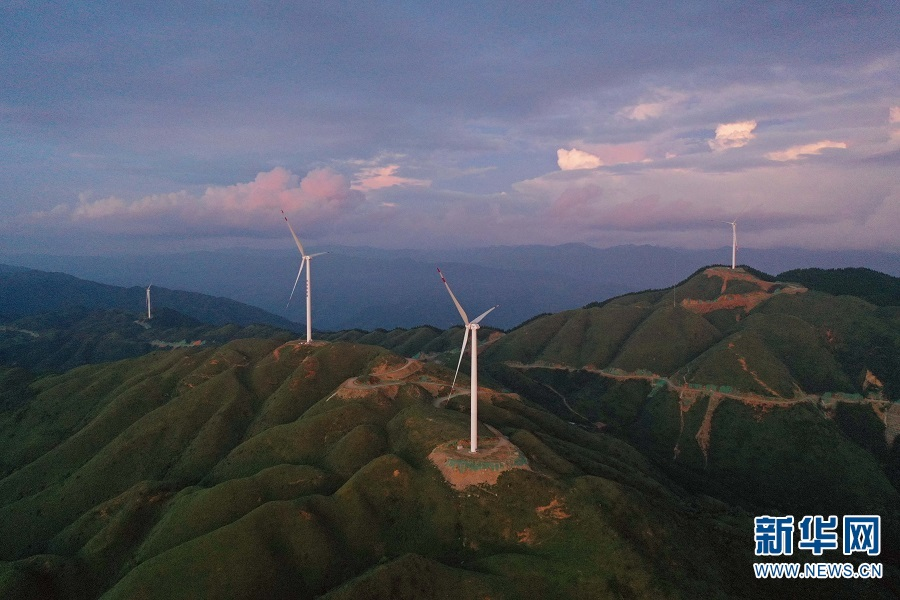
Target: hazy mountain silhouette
<point>370,288</point>
<point>30,292</point>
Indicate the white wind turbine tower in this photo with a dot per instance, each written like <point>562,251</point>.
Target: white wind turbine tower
<point>306,261</point>
<point>733,241</point>
<point>148,302</point>
<point>472,326</point>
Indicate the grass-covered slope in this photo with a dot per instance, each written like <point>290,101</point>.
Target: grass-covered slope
<point>63,340</point>
<point>769,395</point>
<point>725,327</point>
<point>874,287</point>
<point>269,470</point>
<point>424,341</point>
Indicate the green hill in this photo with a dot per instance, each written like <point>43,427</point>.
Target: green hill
<point>63,340</point>
<point>803,341</point>
<point>263,469</point>
<point>418,342</point>
<point>877,288</point>
<point>741,390</point>
<point>26,292</point>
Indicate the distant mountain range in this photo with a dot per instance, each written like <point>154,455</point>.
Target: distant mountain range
<point>26,292</point>
<point>368,288</point>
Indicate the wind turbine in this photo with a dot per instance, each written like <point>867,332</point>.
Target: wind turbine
<point>733,241</point>
<point>472,326</point>
<point>307,262</point>
<point>148,302</point>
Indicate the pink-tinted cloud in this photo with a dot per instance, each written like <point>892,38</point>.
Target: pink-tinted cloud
<point>649,212</point>
<point>615,154</point>
<point>576,203</point>
<point>894,114</point>
<point>376,178</point>
<point>323,194</point>
<point>796,152</point>
<point>586,207</point>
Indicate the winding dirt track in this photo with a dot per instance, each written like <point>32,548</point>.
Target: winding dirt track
<point>887,411</point>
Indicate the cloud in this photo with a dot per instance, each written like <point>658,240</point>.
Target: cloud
<point>733,135</point>
<point>585,207</point>
<point>796,152</point>
<point>894,115</point>
<point>570,160</point>
<point>668,99</point>
<point>662,205</point>
<point>642,112</point>
<point>614,154</point>
<point>375,178</point>
<point>323,194</point>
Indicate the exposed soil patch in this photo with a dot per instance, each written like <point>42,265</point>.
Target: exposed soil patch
<point>554,510</point>
<point>728,301</point>
<point>705,432</point>
<point>727,275</point>
<point>462,468</point>
<point>747,301</point>
<point>756,377</point>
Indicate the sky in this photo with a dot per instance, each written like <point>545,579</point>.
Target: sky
<point>151,126</point>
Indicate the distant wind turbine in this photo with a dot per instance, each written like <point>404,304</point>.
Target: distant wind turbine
<point>733,241</point>
<point>472,326</point>
<point>307,262</point>
<point>148,302</point>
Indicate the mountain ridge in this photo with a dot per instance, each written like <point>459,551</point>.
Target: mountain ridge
<point>372,288</point>
<point>27,292</point>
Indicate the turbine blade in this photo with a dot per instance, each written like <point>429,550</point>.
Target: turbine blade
<point>459,362</point>
<point>316,254</point>
<point>296,239</point>
<point>484,314</point>
<point>294,289</point>
<point>462,313</point>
